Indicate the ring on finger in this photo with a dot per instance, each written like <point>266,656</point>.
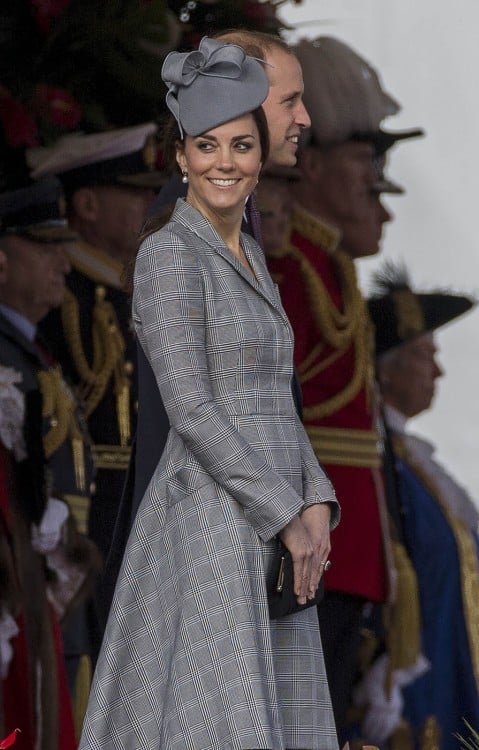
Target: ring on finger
<point>326,565</point>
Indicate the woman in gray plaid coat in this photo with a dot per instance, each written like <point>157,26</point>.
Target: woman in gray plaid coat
<point>190,658</point>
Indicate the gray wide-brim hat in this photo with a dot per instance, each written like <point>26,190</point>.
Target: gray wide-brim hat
<point>212,85</point>
<point>345,97</point>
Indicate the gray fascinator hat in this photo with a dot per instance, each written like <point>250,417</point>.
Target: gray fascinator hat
<point>212,85</point>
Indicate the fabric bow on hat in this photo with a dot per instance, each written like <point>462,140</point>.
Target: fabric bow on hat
<point>212,58</point>
<point>213,84</point>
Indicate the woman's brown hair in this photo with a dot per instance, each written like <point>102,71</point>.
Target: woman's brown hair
<point>170,137</point>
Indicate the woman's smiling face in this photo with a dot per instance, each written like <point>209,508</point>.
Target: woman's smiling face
<point>222,165</point>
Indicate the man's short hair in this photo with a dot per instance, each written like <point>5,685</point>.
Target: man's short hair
<point>255,43</point>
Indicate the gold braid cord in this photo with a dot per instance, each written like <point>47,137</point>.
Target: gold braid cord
<point>469,566</point>
<point>401,738</point>
<point>431,734</point>
<point>402,618</point>
<point>59,408</point>
<point>338,329</point>
<point>108,357</point>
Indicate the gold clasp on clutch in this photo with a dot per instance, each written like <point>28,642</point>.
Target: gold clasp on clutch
<point>280,580</point>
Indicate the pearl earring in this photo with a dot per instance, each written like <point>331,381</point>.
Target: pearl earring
<point>184,179</point>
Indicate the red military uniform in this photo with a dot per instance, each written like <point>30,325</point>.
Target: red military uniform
<point>333,357</point>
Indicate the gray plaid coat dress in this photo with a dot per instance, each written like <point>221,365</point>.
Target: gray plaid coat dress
<point>190,659</point>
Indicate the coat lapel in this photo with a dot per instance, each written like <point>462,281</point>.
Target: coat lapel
<point>261,282</point>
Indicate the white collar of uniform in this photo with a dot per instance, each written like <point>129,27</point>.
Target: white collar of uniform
<point>395,419</point>
<point>454,496</point>
<point>20,322</point>
<point>96,264</point>
<point>397,422</point>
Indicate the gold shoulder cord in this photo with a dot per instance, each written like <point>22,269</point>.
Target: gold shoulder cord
<point>429,739</point>
<point>108,357</point>
<point>59,408</point>
<point>339,330</point>
<point>402,618</point>
<point>469,567</point>
<point>431,734</point>
<point>401,738</point>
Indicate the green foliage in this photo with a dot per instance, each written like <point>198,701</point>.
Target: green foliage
<point>95,64</point>
<point>108,54</point>
<point>109,38</point>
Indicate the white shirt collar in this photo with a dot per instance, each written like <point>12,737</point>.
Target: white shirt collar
<point>20,322</point>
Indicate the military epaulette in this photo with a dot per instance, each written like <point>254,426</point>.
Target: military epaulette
<point>95,264</point>
<point>315,230</point>
<point>312,229</point>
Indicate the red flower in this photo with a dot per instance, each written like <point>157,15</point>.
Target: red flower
<point>58,106</point>
<point>18,125</point>
<point>46,11</point>
<point>9,740</point>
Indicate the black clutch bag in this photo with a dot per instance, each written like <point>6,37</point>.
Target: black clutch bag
<point>281,597</point>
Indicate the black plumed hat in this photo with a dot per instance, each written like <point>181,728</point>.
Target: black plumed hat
<point>399,314</point>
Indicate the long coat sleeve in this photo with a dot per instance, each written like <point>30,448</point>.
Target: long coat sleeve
<point>205,350</point>
<point>190,657</point>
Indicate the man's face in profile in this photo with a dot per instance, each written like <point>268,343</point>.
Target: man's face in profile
<point>283,107</point>
<point>408,375</point>
<point>343,184</point>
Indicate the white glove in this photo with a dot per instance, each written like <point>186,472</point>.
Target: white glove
<point>8,630</point>
<point>69,578</point>
<point>383,713</point>
<point>47,535</point>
